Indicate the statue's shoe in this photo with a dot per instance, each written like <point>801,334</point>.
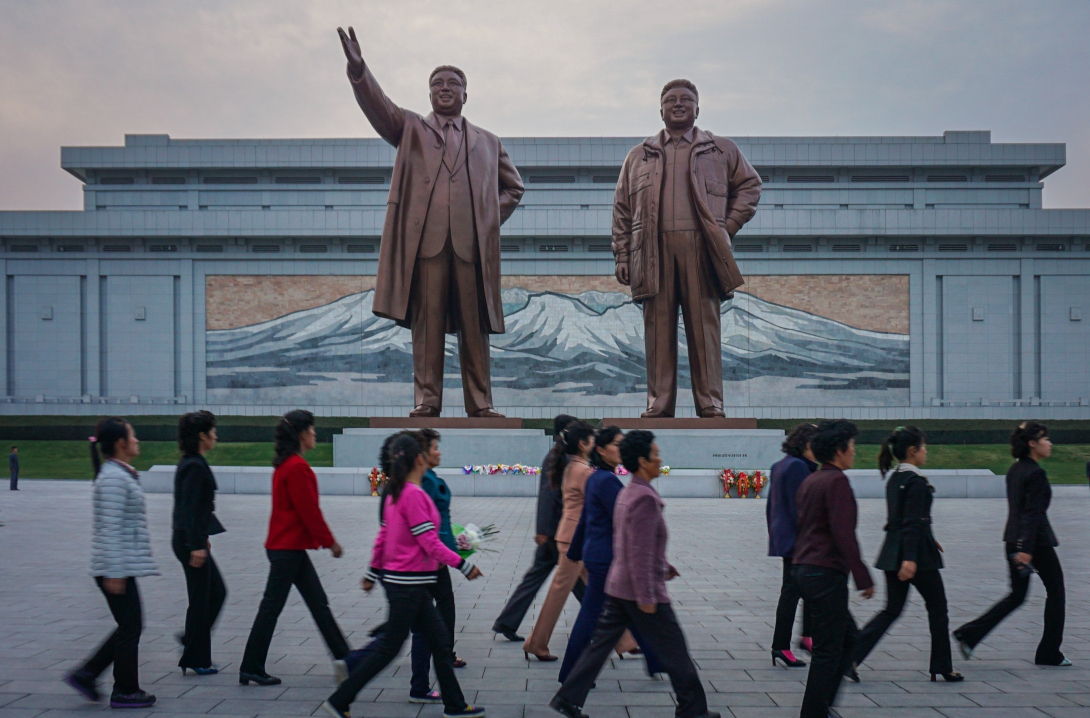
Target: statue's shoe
<point>424,410</point>
<point>655,415</point>
<point>711,414</point>
<point>487,414</point>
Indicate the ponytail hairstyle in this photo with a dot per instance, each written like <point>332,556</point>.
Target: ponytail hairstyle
<point>190,428</point>
<point>398,457</point>
<point>897,444</point>
<point>1026,432</point>
<point>605,436</point>
<point>575,434</point>
<point>288,429</point>
<point>557,459</point>
<point>108,432</point>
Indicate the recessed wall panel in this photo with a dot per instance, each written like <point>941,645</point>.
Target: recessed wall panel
<point>978,329</point>
<point>1065,338</point>
<point>139,336</point>
<point>45,336</point>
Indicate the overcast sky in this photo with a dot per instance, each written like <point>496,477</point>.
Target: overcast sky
<point>82,72</point>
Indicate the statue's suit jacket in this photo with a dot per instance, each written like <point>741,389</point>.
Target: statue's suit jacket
<point>495,184</point>
<point>724,186</point>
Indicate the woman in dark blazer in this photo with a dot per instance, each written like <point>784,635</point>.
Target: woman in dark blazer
<point>593,545</point>
<point>194,521</point>
<point>1030,546</point>
<point>782,513</point>
<point>910,555</point>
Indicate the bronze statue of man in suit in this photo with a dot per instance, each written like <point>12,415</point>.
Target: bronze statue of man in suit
<point>439,260</point>
<point>682,196</point>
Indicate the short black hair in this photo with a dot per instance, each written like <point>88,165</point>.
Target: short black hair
<point>832,437</point>
<point>448,68</point>
<point>425,436</point>
<point>636,445</point>
<point>796,442</point>
<point>190,427</point>
<point>679,83</point>
<point>605,436</point>
<point>1024,433</point>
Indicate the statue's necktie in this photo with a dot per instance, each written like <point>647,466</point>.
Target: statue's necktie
<point>450,137</point>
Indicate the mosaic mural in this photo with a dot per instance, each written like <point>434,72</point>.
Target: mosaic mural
<point>804,340</point>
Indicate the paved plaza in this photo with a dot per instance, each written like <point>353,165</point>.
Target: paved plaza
<point>52,616</point>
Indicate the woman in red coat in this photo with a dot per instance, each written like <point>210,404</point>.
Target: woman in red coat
<point>296,525</point>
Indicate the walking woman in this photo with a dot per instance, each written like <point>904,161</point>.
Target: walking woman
<point>593,545</point>
<point>1030,546</point>
<point>120,554</point>
<point>406,558</point>
<point>295,525</point>
<point>550,506</point>
<point>194,521</point>
<point>578,443</point>
<point>782,514</point>
<point>910,555</point>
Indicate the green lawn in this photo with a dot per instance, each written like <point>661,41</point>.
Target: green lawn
<point>72,460</point>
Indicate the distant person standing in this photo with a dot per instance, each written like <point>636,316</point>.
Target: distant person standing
<point>120,553</point>
<point>826,551</point>
<point>194,520</point>
<point>1030,547</point>
<point>13,466</point>
<point>1088,471</point>
<point>296,525</point>
<point>782,513</point>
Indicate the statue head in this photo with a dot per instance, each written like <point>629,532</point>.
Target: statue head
<point>447,90</point>
<point>679,105</point>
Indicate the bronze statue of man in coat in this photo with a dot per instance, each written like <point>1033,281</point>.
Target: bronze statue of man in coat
<point>682,196</point>
<point>439,260</point>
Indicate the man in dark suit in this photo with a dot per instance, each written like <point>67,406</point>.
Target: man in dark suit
<point>13,466</point>
<point>439,260</point>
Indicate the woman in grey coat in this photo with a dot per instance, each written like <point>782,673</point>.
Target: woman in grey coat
<point>120,553</point>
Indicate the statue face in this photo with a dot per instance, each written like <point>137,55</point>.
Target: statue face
<point>447,93</point>
<point>679,108</point>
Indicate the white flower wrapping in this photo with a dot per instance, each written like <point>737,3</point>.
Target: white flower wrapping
<point>470,538</point>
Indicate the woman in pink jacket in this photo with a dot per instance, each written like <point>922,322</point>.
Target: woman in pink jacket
<point>406,558</point>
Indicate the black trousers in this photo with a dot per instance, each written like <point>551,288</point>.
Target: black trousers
<point>1052,576</point>
<point>545,559</point>
<point>663,635</point>
<point>288,568</point>
<point>122,647</point>
<point>929,584</point>
<point>835,635</point>
<point>14,484</point>
<point>411,609</point>
<point>207,592</point>
<point>785,610</point>
<point>442,591</point>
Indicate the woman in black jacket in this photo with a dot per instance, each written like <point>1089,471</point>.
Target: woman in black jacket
<point>1030,546</point>
<point>910,555</point>
<point>194,521</point>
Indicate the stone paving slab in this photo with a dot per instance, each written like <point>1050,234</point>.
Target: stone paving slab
<point>52,616</point>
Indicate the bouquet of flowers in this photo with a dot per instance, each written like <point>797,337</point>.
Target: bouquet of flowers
<point>729,481</point>
<point>620,470</point>
<point>469,539</point>
<point>665,470</point>
<point>377,480</point>
<point>743,485</point>
<point>759,482</point>
<point>493,469</point>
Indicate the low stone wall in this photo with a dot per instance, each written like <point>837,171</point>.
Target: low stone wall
<point>679,484</point>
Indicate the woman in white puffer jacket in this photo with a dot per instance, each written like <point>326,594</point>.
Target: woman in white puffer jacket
<point>120,553</point>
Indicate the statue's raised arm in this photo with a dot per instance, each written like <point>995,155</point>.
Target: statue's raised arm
<point>387,118</point>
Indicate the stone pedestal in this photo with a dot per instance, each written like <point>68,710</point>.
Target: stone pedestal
<point>460,446</point>
<point>720,448</point>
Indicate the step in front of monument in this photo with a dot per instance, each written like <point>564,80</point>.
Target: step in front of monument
<point>441,422</point>
<point>460,446</point>
<point>628,423</point>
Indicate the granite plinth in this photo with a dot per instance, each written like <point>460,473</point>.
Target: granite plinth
<point>679,484</point>
<point>720,448</point>
<point>439,422</point>
<point>627,423</point>
<point>460,446</point>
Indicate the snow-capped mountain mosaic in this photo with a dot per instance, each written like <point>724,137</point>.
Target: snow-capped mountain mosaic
<point>582,349</point>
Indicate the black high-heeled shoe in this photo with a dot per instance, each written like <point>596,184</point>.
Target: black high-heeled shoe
<point>951,677</point>
<point>852,673</point>
<point>547,658</point>
<point>261,679</point>
<point>778,655</point>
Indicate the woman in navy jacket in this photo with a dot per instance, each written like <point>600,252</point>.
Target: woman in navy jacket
<point>782,512</point>
<point>593,545</point>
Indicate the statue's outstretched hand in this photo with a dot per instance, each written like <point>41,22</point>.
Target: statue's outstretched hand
<point>352,51</point>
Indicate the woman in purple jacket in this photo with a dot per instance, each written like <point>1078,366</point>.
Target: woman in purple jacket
<point>783,515</point>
